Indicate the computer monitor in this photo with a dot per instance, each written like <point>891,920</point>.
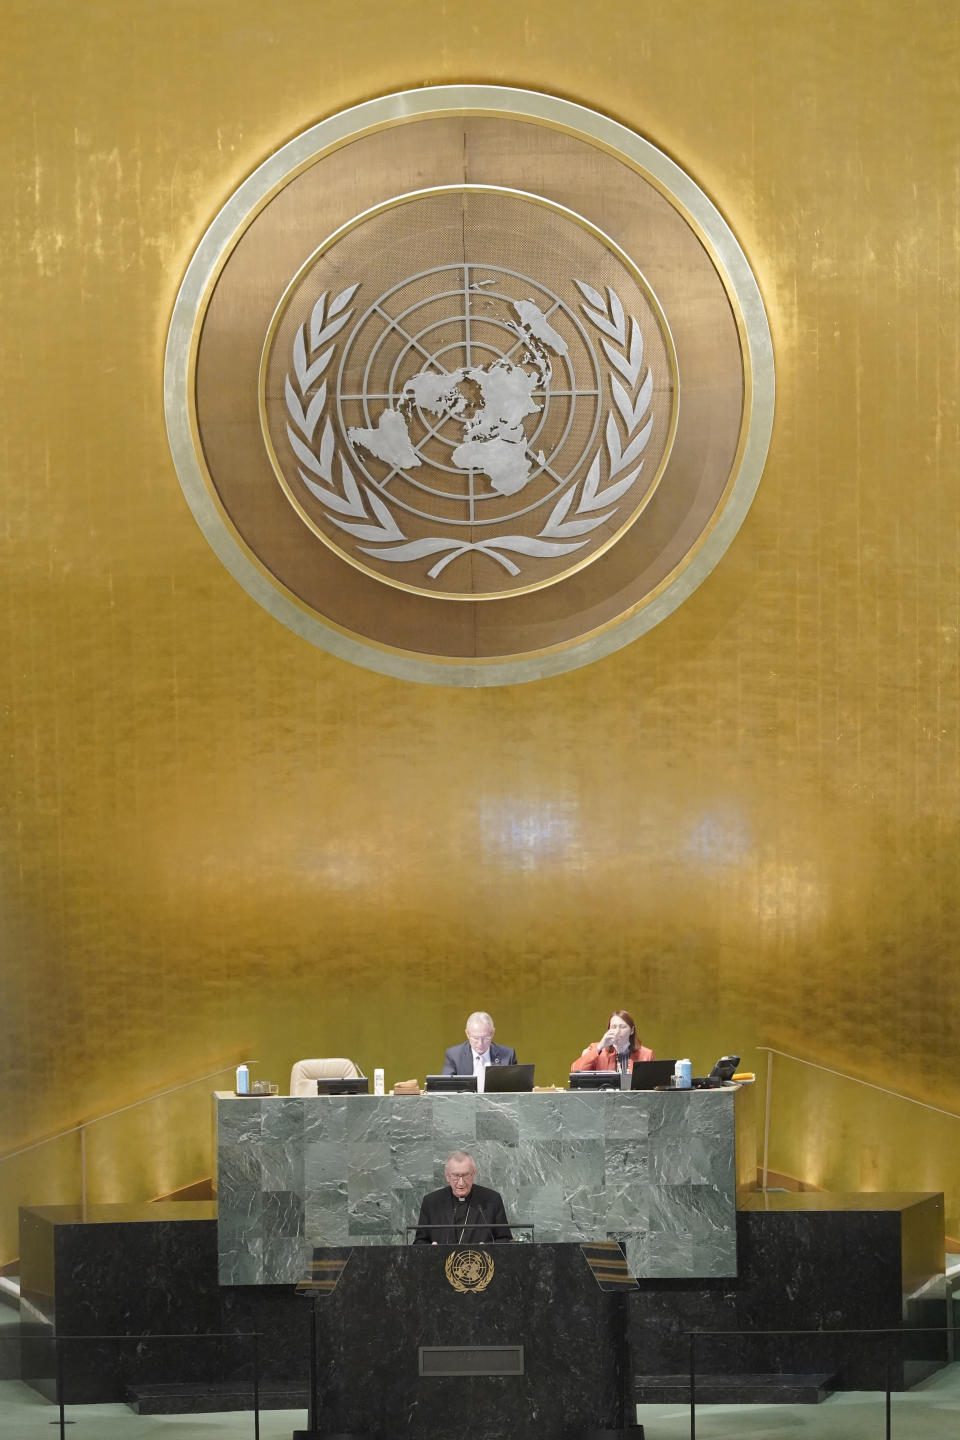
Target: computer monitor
<point>507,1079</point>
<point>450,1084</point>
<point>648,1074</point>
<point>344,1085</point>
<point>594,1080</point>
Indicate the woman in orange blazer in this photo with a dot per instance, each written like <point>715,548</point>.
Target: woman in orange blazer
<point>618,1049</point>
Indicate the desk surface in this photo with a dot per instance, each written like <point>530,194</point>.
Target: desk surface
<point>656,1171</point>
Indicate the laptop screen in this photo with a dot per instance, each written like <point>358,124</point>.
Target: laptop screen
<point>437,1084</point>
<point>648,1074</point>
<point>344,1085</point>
<point>594,1080</point>
<point>498,1079</point>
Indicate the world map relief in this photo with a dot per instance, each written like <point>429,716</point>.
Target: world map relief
<point>488,403</point>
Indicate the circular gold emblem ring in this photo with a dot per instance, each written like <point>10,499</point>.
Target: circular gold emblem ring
<point>469,385</point>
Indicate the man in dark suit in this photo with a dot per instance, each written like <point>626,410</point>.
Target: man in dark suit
<point>463,1212</point>
<point>479,1051</point>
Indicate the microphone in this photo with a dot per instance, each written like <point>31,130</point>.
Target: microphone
<point>481,1220</point>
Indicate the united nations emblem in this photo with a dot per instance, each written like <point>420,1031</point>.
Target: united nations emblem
<point>469,1271</point>
<point>469,385</point>
<point>472,430</point>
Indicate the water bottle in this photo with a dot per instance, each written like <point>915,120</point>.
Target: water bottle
<point>378,1082</point>
<point>243,1080</point>
<point>683,1074</point>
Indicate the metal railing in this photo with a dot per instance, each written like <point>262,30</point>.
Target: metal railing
<point>888,1334</point>
<point>61,1343</point>
<point>132,1153</point>
<point>910,1154</point>
<point>893,1342</point>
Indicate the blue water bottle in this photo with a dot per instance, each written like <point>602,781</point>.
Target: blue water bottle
<point>243,1080</point>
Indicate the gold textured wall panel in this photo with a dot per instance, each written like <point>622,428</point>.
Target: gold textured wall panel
<point>220,842</point>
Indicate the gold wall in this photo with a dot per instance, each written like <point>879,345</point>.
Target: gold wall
<point>220,842</point>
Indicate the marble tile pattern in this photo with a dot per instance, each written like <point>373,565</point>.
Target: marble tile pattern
<point>655,1171</point>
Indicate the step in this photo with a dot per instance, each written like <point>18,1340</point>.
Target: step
<point>213,1398</point>
<point>734,1389</point>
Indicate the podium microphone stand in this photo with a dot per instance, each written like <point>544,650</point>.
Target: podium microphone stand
<point>608,1264</point>
<point>322,1280</point>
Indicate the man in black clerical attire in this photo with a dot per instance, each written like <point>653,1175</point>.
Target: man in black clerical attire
<point>462,1213</point>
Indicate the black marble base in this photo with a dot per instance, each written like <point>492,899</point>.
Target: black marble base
<point>626,1432</point>
<point>815,1263</point>
<point>136,1274</point>
<point>9,1357</point>
<point>330,1435</point>
<point>145,1277</point>
<point>9,1338</point>
<point>115,1270</point>
<point>212,1398</point>
<point>389,1304</point>
<point>734,1389</point>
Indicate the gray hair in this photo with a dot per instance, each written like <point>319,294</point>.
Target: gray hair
<point>460,1156</point>
<point>480,1017</point>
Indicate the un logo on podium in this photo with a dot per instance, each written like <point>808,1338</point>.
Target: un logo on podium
<point>469,1271</point>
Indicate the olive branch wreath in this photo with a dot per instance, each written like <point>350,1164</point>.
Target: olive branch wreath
<point>363,513</point>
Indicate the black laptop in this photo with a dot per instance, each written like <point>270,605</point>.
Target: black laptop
<point>507,1079</point>
<point>450,1084</point>
<point>648,1074</point>
<point>343,1085</point>
<point>594,1080</point>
